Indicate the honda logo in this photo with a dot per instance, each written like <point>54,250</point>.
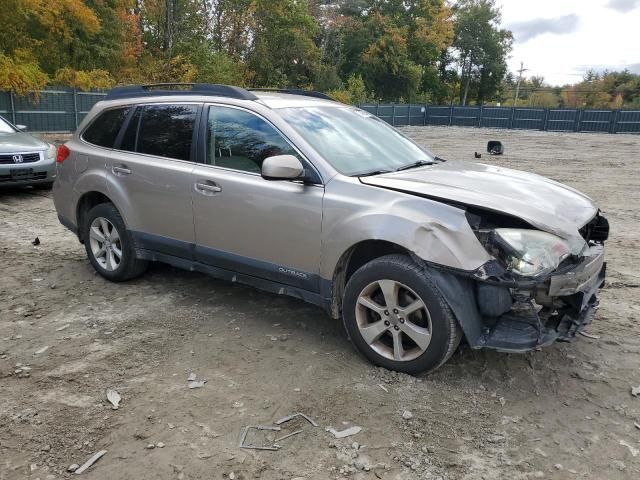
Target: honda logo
<point>17,159</point>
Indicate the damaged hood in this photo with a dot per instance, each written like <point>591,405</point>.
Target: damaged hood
<point>541,202</point>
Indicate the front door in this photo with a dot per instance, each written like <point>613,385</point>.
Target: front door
<point>244,223</point>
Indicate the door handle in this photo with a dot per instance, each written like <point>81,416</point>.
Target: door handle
<point>120,170</point>
<point>208,188</point>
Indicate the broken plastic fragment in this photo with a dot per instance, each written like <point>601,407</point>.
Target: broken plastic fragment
<point>344,433</point>
<point>114,398</point>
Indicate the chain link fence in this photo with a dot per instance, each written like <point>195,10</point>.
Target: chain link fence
<point>62,110</point>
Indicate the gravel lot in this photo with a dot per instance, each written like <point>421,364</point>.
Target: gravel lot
<point>564,412</point>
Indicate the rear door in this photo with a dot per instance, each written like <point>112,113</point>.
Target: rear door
<point>150,172</point>
<point>267,229</point>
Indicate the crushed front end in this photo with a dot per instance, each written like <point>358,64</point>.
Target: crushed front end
<point>529,297</point>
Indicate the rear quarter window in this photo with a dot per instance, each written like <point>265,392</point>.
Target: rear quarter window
<point>105,128</point>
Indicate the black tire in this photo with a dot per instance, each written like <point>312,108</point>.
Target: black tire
<point>445,331</point>
<point>129,266</point>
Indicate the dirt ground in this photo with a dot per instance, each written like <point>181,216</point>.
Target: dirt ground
<point>67,335</point>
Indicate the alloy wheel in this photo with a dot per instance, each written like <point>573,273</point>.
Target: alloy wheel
<point>105,243</point>
<point>393,320</point>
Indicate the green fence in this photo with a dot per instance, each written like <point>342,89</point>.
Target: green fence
<point>62,110</point>
<point>526,118</point>
<point>51,110</point>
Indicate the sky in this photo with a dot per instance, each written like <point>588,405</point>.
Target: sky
<point>561,39</point>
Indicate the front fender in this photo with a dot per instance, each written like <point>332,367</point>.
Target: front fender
<point>436,232</point>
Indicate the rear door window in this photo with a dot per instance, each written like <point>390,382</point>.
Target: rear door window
<point>164,131</point>
<point>104,129</point>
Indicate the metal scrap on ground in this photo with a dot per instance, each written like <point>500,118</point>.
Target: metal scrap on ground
<point>294,415</point>
<point>90,462</point>
<point>246,429</point>
<point>344,433</point>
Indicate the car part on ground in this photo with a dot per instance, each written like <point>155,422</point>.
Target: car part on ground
<point>495,147</point>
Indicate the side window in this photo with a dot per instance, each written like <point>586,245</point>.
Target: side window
<point>164,131</point>
<point>240,140</point>
<point>104,129</point>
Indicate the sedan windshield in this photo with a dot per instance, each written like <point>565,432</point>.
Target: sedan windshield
<point>354,141</point>
<point>5,127</point>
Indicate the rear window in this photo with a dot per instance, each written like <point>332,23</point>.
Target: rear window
<point>104,129</point>
<point>166,131</point>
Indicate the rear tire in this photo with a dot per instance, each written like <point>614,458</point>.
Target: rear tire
<point>396,317</point>
<point>109,245</point>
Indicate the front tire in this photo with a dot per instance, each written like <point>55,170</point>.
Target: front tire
<point>109,245</point>
<point>396,318</point>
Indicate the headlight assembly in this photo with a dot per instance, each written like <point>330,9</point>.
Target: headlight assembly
<point>531,252</point>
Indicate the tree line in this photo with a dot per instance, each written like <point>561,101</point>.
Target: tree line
<point>427,51</point>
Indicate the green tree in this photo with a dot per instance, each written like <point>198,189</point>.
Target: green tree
<point>482,47</point>
<point>283,52</point>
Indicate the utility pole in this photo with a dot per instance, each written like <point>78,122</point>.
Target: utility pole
<point>521,71</point>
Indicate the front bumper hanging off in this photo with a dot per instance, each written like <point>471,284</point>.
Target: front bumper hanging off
<point>569,301</point>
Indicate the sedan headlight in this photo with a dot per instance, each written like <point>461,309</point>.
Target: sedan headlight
<point>531,252</point>
<point>51,152</point>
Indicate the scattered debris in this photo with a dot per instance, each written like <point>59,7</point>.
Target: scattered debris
<point>634,451</point>
<point>89,462</point>
<point>503,402</point>
<point>197,384</point>
<point>407,415</point>
<point>238,404</point>
<point>635,391</point>
<point>64,327</point>
<point>286,436</point>
<point>150,446</point>
<point>192,377</point>
<point>344,433</point>
<point>294,415</point>
<point>477,155</point>
<point>495,147</point>
<point>72,468</point>
<point>42,350</point>
<point>36,242</point>
<point>114,398</point>
<point>590,335</point>
<point>637,425</point>
<point>246,429</point>
<point>160,445</point>
<point>383,387</point>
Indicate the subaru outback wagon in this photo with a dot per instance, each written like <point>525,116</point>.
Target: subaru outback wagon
<point>296,194</point>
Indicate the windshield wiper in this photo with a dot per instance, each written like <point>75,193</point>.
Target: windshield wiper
<point>373,172</point>
<point>419,163</point>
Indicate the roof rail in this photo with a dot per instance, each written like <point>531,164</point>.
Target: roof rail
<point>294,91</point>
<point>155,89</point>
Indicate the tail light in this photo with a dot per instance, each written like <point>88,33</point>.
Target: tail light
<point>63,153</point>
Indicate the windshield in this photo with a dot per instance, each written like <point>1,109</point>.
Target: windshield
<point>354,141</point>
<point>5,127</point>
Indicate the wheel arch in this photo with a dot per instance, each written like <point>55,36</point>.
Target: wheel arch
<point>85,203</point>
<point>351,260</point>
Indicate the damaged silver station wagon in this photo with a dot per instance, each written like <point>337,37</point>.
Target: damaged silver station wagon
<point>296,194</point>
